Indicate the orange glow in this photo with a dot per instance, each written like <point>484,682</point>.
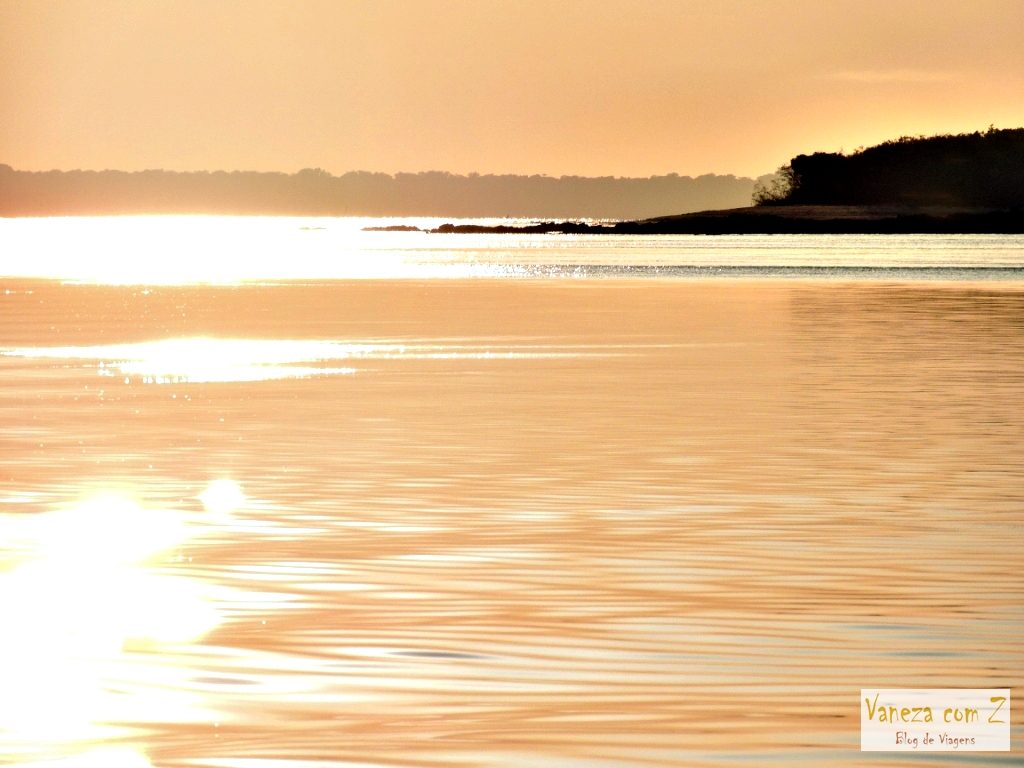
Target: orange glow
<point>603,87</point>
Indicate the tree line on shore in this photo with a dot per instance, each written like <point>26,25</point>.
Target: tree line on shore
<point>313,191</point>
<point>969,170</point>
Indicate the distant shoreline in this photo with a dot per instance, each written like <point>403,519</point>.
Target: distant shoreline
<point>314,192</point>
<point>773,220</point>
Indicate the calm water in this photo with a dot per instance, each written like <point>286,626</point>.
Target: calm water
<point>370,499</point>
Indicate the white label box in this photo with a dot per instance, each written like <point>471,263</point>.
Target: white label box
<point>935,720</point>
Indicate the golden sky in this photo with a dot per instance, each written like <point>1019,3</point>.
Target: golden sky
<point>598,87</point>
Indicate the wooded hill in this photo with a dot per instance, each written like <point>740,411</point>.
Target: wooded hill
<point>981,170</point>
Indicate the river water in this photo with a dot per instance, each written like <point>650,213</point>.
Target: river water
<point>279,493</point>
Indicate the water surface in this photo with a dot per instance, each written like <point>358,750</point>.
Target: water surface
<point>618,519</point>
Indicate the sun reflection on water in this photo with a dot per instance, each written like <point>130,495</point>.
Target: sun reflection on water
<point>102,757</point>
<point>205,360</point>
<point>225,250</point>
<point>88,593</point>
<point>222,497</point>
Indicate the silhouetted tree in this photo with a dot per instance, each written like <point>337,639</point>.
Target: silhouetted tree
<point>774,189</point>
<point>966,170</point>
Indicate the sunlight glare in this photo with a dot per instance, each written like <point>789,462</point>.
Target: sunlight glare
<point>222,497</point>
<point>102,757</point>
<point>81,585</point>
<point>184,249</point>
<point>209,360</point>
<point>107,529</point>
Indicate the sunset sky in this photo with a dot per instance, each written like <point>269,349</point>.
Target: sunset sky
<point>605,87</point>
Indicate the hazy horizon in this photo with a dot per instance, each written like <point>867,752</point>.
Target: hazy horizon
<point>371,171</point>
<point>313,191</point>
